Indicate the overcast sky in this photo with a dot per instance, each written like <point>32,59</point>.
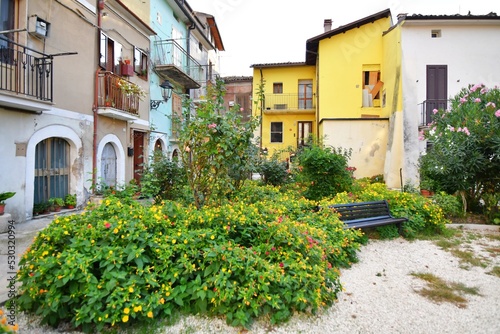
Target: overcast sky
<point>269,31</point>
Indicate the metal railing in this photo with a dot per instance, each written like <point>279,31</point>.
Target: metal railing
<point>427,107</point>
<point>112,93</point>
<point>288,102</point>
<point>169,52</point>
<point>25,71</point>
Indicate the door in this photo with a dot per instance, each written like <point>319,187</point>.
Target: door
<point>437,90</point>
<point>305,94</point>
<point>138,155</point>
<point>51,169</point>
<point>108,165</point>
<point>304,131</point>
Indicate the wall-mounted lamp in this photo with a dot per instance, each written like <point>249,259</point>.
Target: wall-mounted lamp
<point>166,92</point>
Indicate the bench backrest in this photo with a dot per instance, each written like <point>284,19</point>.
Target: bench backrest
<point>364,210</point>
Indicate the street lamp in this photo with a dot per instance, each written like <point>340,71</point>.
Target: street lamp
<point>166,92</point>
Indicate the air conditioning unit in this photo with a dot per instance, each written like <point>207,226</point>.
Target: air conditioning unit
<point>281,106</point>
<point>38,26</point>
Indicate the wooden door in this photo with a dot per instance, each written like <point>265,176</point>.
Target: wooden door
<point>437,90</point>
<point>138,155</point>
<point>108,165</point>
<point>51,169</point>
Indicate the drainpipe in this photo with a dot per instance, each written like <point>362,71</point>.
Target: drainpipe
<point>100,7</point>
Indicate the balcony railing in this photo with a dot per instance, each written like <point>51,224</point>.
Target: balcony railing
<point>118,93</point>
<point>427,107</point>
<point>25,71</point>
<point>173,63</point>
<point>288,102</point>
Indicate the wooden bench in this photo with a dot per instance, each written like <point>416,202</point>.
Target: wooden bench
<point>367,214</point>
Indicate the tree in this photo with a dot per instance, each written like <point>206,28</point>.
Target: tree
<point>217,149</point>
<point>465,152</point>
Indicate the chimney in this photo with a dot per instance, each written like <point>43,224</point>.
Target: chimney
<point>328,25</point>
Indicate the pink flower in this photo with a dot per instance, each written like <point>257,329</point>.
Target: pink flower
<point>434,111</point>
<point>492,104</point>
<point>282,264</point>
<point>466,131</point>
<point>484,90</point>
<point>497,113</point>
<point>475,87</point>
<point>477,100</point>
<point>212,126</point>
<point>107,225</point>
<point>463,100</point>
<point>187,149</point>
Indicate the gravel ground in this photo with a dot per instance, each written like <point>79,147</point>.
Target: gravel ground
<point>381,295</point>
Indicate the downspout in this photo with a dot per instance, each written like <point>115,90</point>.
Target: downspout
<point>262,103</point>
<point>100,7</point>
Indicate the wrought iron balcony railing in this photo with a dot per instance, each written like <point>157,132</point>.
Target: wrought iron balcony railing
<point>288,102</point>
<point>427,107</point>
<point>173,63</point>
<point>119,93</point>
<point>25,71</point>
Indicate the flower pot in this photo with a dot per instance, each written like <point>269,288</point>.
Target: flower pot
<point>2,209</point>
<point>70,206</point>
<point>127,70</point>
<point>426,193</point>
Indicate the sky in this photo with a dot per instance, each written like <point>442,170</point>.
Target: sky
<point>274,31</point>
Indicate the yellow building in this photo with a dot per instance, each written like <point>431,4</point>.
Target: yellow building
<point>287,109</point>
<point>358,75</point>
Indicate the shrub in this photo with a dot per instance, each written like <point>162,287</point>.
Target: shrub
<point>324,171</point>
<point>465,153</point>
<point>424,217</point>
<point>123,262</point>
<point>163,178</point>
<point>450,204</point>
<point>274,172</point>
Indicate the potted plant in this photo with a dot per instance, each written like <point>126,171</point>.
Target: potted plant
<point>56,203</point>
<point>3,197</point>
<point>70,201</point>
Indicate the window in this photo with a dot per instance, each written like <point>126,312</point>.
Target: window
<point>305,94</point>
<point>110,53</point>
<point>140,63</point>
<point>278,88</point>
<point>371,86</point>
<point>435,33</point>
<point>6,23</point>
<point>276,132</point>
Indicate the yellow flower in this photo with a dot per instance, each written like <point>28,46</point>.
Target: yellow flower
<point>125,318</point>
<point>212,237</point>
<point>162,301</point>
<point>138,308</point>
<point>174,241</point>
<point>131,289</point>
<point>126,310</point>
<point>150,314</point>
<point>185,241</point>
<point>115,230</point>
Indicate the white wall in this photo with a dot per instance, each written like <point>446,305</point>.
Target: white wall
<point>471,50</point>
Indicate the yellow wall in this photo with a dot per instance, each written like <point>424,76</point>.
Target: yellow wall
<point>289,76</point>
<point>340,66</point>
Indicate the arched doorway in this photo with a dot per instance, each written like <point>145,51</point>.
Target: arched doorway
<point>158,145</point>
<point>108,165</point>
<point>51,169</point>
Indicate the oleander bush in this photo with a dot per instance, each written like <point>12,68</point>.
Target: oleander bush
<point>123,262</point>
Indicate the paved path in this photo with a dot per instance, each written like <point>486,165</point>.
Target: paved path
<point>23,237</point>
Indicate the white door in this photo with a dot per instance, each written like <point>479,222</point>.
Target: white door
<point>108,165</point>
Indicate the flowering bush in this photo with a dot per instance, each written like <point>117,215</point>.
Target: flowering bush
<point>129,88</point>
<point>5,327</point>
<point>423,215</point>
<point>123,262</point>
<point>217,153</point>
<point>465,153</point>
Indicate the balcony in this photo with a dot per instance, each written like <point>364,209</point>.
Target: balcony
<point>171,62</point>
<point>289,103</point>
<point>426,108</point>
<point>25,73</point>
<point>118,98</point>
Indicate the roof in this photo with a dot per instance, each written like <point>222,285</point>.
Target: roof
<point>214,30</point>
<point>313,43</point>
<point>237,79</point>
<point>490,16</point>
<point>278,64</point>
